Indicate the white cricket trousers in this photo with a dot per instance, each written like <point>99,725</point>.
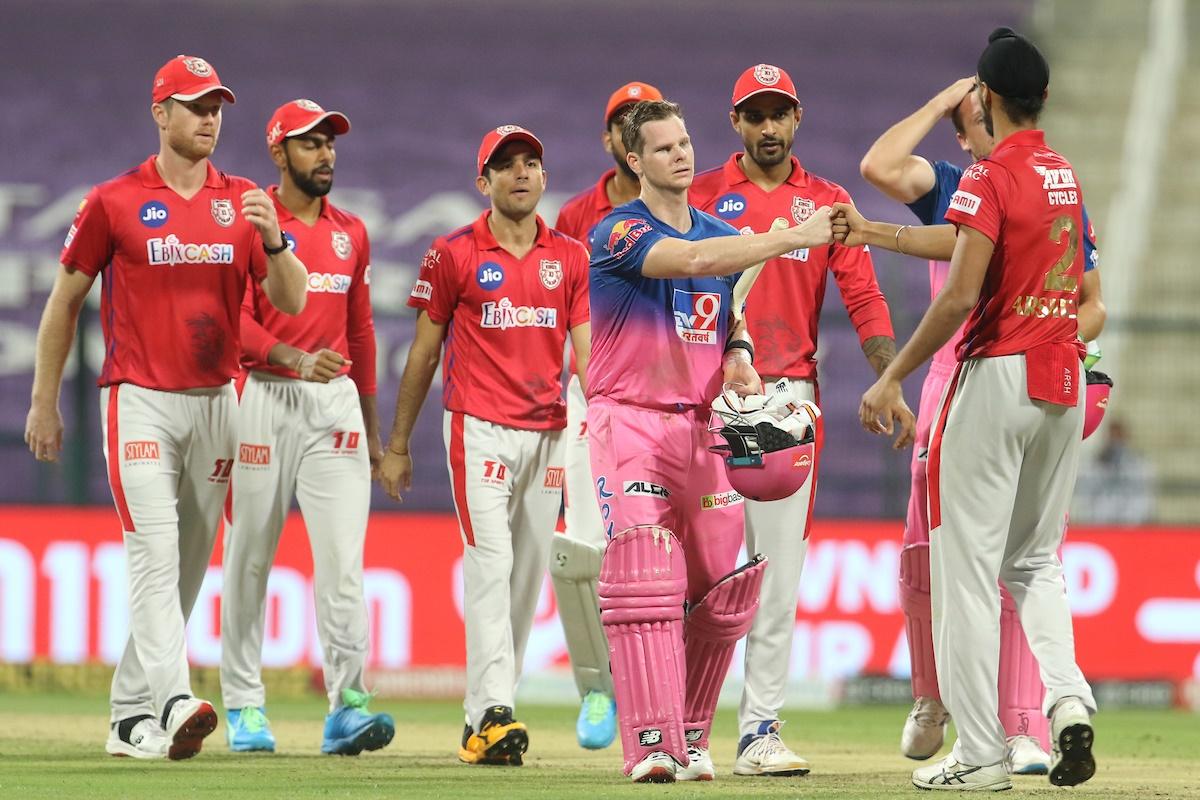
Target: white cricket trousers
<point>778,530</point>
<point>169,458</point>
<point>1001,474</point>
<point>507,487</point>
<point>308,440</point>
<point>581,509</point>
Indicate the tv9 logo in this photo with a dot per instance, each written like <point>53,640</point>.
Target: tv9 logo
<point>696,316</point>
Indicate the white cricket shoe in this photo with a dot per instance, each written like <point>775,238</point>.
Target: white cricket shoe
<point>699,768</point>
<point>950,775</point>
<point>189,721</point>
<point>138,737</point>
<point>1025,756</point>
<point>1071,734</point>
<point>925,729</point>
<point>655,768</point>
<point>764,753</point>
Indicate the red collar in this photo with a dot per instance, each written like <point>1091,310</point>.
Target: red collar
<point>600,199</point>
<point>148,173</point>
<point>1033,137</point>
<point>281,210</point>
<point>735,175</point>
<point>486,240</point>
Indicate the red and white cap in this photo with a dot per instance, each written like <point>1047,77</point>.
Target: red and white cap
<point>301,116</point>
<point>629,94</point>
<point>186,78</point>
<point>496,138</point>
<point>761,79</point>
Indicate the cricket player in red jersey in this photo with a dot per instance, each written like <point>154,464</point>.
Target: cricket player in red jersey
<point>575,558</point>
<point>1005,443</point>
<point>750,191</point>
<point>503,294</point>
<point>307,427</point>
<point>174,254</point>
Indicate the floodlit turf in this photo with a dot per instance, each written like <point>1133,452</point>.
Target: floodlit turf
<point>52,746</point>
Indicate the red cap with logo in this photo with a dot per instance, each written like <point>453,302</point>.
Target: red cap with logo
<point>301,116</point>
<point>761,79</point>
<point>496,138</point>
<point>186,78</point>
<point>627,95</point>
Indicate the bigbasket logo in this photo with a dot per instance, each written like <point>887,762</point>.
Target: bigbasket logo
<point>554,477</point>
<point>170,251</point>
<point>625,234</point>
<point>722,500</point>
<point>254,454</point>
<point>331,282</point>
<point>141,451</point>
<point>504,315</point>
<point>696,316</point>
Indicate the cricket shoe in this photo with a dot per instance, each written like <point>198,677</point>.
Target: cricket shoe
<point>1025,756</point>
<point>137,737</point>
<point>764,753</point>
<point>352,728</point>
<point>501,741</point>
<point>1072,735</point>
<point>950,775</point>
<point>925,729</point>
<point>597,724</point>
<point>247,730</point>
<point>699,766</point>
<point>657,767</point>
<point>187,720</point>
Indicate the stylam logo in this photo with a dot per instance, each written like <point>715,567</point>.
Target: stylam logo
<point>330,282</point>
<point>170,251</point>
<point>730,206</point>
<point>141,451</point>
<point>696,316</point>
<point>254,454</point>
<point>554,478</point>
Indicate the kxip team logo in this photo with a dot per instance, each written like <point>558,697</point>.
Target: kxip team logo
<point>802,209</point>
<point>696,316</point>
<point>222,212</point>
<point>341,244</point>
<point>551,273</point>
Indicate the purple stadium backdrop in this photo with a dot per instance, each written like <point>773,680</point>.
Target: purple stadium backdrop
<point>421,82</point>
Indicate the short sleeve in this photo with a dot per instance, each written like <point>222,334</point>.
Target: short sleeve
<point>436,290</point>
<point>578,311</point>
<point>89,243</point>
<point>930,207</point>
<point>620,243</point>
<point>978,203</point>
<point>1091,256</point>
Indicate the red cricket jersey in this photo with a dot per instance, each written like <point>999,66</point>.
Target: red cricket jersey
<point>1025,198</point>
<point>337,314</point>
<point>509,319</point>
<point>784,307</point>
<point>173,273</point>
<point>580,214</point>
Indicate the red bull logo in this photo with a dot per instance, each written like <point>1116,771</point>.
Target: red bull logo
<point>625,234</point>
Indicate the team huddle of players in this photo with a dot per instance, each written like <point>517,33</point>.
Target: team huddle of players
<point>648,276</point>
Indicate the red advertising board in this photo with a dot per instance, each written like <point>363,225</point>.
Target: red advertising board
<point>1135,594</point>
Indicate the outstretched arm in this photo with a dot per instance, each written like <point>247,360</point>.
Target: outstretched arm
<point>922,241</point>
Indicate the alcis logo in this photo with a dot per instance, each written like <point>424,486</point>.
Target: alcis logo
<point>645,489</point>
<point>332,282</point>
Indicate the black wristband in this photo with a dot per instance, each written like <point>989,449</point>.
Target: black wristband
<point>274,251</point>
<point>741,344</point>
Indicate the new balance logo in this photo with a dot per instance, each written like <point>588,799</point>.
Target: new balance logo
<point>650,737</point>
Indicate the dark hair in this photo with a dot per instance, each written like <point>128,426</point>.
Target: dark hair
<point>639,115</point>
<point>956,118</point>
<point>1021,109</point>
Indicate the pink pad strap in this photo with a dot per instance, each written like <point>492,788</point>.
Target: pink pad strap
<point>643,582</point>
<point>918,618</point>
<point>711,631</point>
<point>1020,686</point>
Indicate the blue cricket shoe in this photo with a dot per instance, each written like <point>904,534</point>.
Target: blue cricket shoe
<point>352,728</point>
<point>597,724</point>
<point>248,730</point>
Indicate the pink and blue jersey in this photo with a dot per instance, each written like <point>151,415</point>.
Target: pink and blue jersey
<point>931,208</point>
<point>656,342</point>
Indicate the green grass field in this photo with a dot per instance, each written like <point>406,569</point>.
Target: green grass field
<point>52,746</point>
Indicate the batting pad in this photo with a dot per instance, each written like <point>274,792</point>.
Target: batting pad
<point>574,569</point>
<point>710,633</point>
<point>643,581</point>
<point>1020,687</point>
<point>918,618</point>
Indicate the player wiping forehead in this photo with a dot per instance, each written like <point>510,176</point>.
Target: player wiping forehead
<point>664,342</point>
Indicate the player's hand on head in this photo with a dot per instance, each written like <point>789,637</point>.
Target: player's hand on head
<point>321,366</point>
<point>44,432</point>
<point>395,472</point>
<point>848,225</point>
<point>949,98</point>
<point>816,230</point>
<point>259,211</point>
<point>883,408</point>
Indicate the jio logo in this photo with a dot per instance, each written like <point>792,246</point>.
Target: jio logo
<point>730,206</point>
<point>291,240</point>
<point>153,214</point>
<point>490,275</point>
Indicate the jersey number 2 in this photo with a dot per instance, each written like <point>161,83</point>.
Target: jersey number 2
<point>1057,279</point>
